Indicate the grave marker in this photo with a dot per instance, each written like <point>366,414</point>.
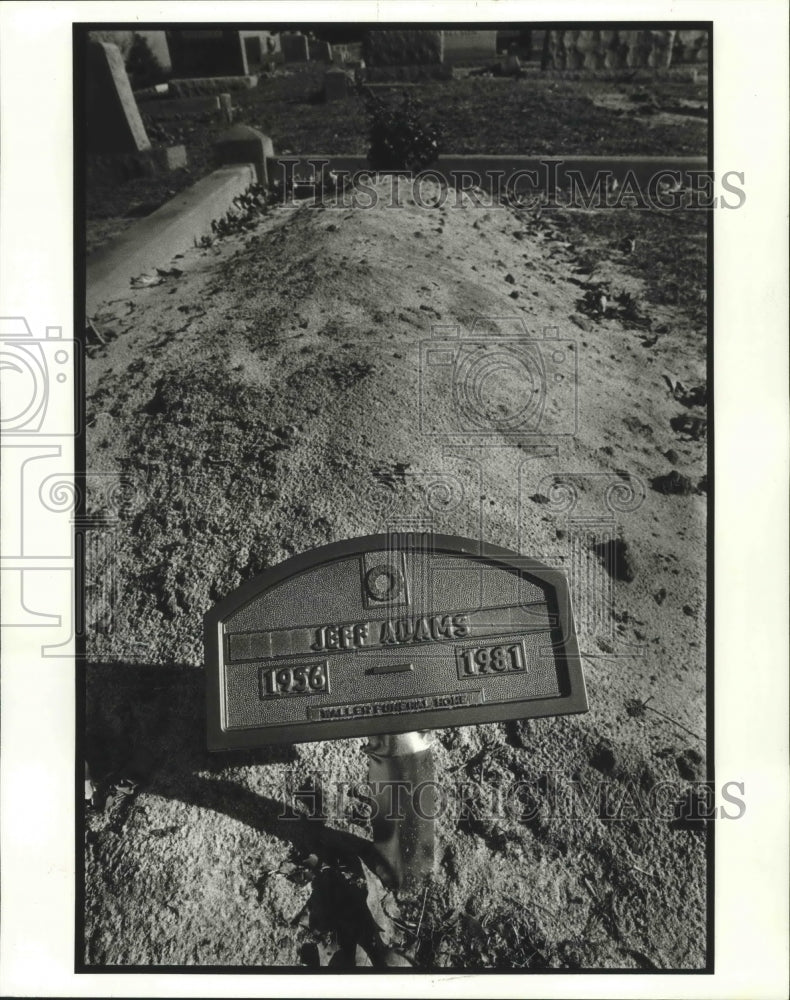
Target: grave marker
<point>244,144</point>
<point>295,47</point>
<point>253,50</point>
<point>205,53</point>
<point>388,636</point>
<point>469,46</point>
<point>319,50</point>
<point>114,124</point>
<point>337,84</point>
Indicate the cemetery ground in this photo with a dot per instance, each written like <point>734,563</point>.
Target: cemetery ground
<point>531,115</point>
<point>264,398</point>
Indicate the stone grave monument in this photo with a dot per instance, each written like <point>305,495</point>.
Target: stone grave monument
<point>203,53</point>
<point>469,47</point>
<point>319,51</point>
<point>295,46</point>
<point>113,119</point>
<point>409,55</point>
<point>338,83</point>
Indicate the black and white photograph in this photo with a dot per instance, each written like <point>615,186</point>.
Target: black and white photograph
<point>392,524</point>
<point>470,300</point>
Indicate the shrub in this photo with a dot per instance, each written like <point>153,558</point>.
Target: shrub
<point>399,138</point>
<point>142,65</point>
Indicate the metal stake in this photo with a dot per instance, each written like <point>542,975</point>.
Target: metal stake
<point>401,773</point>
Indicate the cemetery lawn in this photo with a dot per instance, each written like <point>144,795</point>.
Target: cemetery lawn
<point>532,115</point>
<point>258,400</point>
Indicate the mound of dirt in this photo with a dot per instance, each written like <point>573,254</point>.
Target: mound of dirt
<point>315,380</point>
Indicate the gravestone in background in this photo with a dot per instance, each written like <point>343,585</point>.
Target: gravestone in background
<point>113,122</point>
<point>319,51</point>
<point>403,48</point>
<point>337,84</point>
<point>605,50</point>
<point>253,50</point>
<point>295,47</point>
<point>203,52</point>
<point>469,46</point>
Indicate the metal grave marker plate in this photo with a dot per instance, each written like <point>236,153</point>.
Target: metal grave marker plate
<point>387,634</point>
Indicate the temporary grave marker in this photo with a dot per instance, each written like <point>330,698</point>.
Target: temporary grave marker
<point>388,636</point>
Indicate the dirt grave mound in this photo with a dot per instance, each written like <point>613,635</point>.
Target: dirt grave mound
<point>277,395</point>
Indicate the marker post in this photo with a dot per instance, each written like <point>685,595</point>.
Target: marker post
<point>402,778</point>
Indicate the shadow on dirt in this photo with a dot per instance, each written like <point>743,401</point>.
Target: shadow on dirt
<point>144,732</point>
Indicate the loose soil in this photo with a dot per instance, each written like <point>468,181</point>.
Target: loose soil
<point>264,399</point>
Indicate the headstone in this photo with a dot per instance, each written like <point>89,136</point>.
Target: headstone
<point>469,46</point>
<point>337,84</point>
<point>389,634</point>
<point>113,122</point>
<point>607,50</point>
<point>403,48</point>
<point>319,50</point>
<point>253,50</point>
<point>295,47</point>
<point>242,144</point>
<point>511,65</point>
<point>203,52</point>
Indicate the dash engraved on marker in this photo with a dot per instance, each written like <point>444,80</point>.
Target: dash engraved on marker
<point>391,668</point>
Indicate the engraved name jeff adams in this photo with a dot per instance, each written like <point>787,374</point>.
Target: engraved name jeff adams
<point>392,632</point>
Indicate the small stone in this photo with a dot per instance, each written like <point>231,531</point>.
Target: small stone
<point>582,322</point>
<point>672,456</point>
<point>514,295</point>
<point>674,483</point>
<point>617,559</point>
<point>603,757</point>
<point>510,279</point>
